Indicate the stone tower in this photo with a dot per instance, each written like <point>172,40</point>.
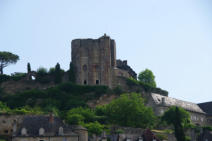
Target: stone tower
<point>94,60</point>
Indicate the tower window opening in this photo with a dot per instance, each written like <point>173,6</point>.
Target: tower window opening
<point>85,82</point>
<point>97,82</point>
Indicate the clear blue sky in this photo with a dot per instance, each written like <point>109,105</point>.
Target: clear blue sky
<point>173,38</point>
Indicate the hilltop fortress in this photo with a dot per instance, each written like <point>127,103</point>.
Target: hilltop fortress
<point>95,62</point>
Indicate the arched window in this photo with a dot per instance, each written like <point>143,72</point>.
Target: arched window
<point>23,131</point>
<point>61,131</point>
<point>41,131</point>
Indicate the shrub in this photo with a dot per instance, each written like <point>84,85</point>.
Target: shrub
<point>94,128</point>
<point>75,119</point>
<point>42,75</point>
<point>18,76</point>
<point>4,77</point>
<point>162,136</point>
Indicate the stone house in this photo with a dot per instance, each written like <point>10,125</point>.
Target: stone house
<point>161,103</point>
<point>207,108</point>
<point>95,62</point>
<point>39,128</point>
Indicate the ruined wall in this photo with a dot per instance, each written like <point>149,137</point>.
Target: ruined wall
<point>9,123</point>
<point>94,60</point>
<point>122,65</point>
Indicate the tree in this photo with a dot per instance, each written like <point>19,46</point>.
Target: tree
<point>147,77</point>
<point>72,76</point>
<point>58,75</point>
<point>7,58</point>
<point>129,110</point>
<point>75,119</point>
<point>88,114</point>
<point>180,119</point>
<point>94,128</point>
<point>28,68</point>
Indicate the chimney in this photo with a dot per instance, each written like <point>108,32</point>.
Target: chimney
<point>51,118</point>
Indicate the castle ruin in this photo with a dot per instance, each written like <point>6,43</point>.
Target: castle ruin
<point>95,62</point>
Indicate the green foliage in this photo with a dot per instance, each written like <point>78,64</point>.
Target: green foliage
<point>94,128</point>
<point>62,97</point>
<point>180,119</point>
<point>209,128</point>
<point>71,72</point>
<point>4,109</point>
<point>74,119</point>
<point>132,82</point>
<point>28,67</point>
<point>129,110</point>
<point>7,58</point>
<point>17,76</point>
<point>4,77</point>
<point>147,77</point>
<point>57,74</point>
<point>51,71</point>
<point>42,75</point>
<point>118,90</point>
<point>86,113</point>
<point>162,136</point>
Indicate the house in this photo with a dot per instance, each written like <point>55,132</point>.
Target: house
<point>47,128</point>
<point>161,103</point>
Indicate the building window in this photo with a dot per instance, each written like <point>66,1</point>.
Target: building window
<point>23,131</point>
<point>61,131</point>
<point>41,131</point>
<point>97,82</point>
<point>6,131</point>
<point>84,67</point>
<point>42,140</point>
<point>85,82</point>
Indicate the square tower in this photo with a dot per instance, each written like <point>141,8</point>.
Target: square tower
<point>94,60</point>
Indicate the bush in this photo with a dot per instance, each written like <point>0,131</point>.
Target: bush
<point>18,76</point>
<point>162,136</point>
<point>94,128</point>
<point>88,114</point>
<point>148,88</point>
<point>4,78</point>
<point>75,119</point>
<point>42,75</point>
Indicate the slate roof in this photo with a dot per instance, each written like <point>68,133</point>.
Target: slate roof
<point>34,123</point>
<point>206,107</point>
<point>168,101</point>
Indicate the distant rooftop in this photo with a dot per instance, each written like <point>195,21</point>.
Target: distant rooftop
<point>206,107</point>
<point>168,101</point>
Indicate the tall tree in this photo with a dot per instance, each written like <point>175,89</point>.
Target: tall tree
<point>28,68</point>
<point>58,74</point>
<point>147,77</point>
<point>180,119</point>
<point>7,58</point>
<point>72,76</point>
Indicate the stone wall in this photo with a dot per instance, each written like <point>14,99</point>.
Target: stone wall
<point>124,66</point>
<point>8,123</point>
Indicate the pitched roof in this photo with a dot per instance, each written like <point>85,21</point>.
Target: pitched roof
<point>206,107</point>
<point>51,126</point>
<point>168,101</point>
